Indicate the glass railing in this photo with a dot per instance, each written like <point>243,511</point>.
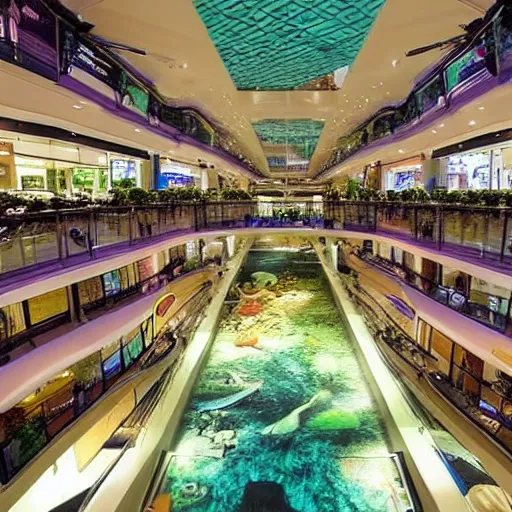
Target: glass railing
<point>32,424</point>
<point>445,295</point>
<point>482,234</point>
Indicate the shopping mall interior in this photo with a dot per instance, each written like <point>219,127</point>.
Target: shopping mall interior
<point>256,256</point>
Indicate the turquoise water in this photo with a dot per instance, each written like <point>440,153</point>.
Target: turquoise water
<point>282,418</point>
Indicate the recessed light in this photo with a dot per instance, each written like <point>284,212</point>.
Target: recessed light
<point>184,65</point>
<point>367,100</point>
<point>78,107</point>
<point>374,87</point>
<point>394,63</point>
<point>82,102</point>
<point>434,131</point>
<point>137,130</point>
<point>441,125</point>
<point>400,151</point>
<point>481,108</point>
<point>472,123</point>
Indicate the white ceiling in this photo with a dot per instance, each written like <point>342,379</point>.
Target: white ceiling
<point>186,67</point>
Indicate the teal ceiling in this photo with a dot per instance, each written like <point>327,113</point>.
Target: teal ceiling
<point>288,144</point>
<point>284,44</point>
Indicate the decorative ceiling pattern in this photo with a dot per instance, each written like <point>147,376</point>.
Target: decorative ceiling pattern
<point>288,144</point>
<point>285,44</point>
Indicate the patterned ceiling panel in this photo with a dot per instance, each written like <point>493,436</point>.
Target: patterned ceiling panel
<point>285,44</point>
<point>288,144</point>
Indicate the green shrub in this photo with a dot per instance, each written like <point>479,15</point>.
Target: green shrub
<point>392,196</point>
<point>138,196</point>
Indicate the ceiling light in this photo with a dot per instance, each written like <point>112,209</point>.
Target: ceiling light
<point>472,123</point>
<point>381,84</point>
<point>434,131</point>
<point>481,108</point>
<point>367,100</point>
<point>137,130</point>
<point>394,63</point>
<point>78,107</point>
<point>441,125</point>
<point>374,87</point>
<point>82,102</point>
<point>401,151</point>
<point>184,65</point>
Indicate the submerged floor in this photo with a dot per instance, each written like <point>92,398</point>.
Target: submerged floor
<point>282,416</point>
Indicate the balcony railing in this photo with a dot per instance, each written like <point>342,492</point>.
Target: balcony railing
<point>450,297</point>
<point>58,237</point>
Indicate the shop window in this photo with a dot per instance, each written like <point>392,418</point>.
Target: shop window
<point>398,255</point>
<point>47,306</point>
<point>133,349</point>
<point>112,283</point>
<point>441,349</point>
<point>424,331</point>
<point>32,182</point>
<point>146,270</point>
<point>469,362</point>
<point>12,321</point>
<point>112,366</point>
<point>409,261</point>
<point>90,291</point>
<point>491,398</point>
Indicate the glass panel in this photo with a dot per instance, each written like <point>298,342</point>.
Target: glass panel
<point>112,366</point>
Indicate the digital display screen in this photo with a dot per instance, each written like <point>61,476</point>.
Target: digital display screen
<point>112,366</point>
<point>112,282</point>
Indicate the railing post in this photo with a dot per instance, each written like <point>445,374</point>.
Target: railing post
<point>66,240</point>
<point>58,232</point>
<point>344,213</point>
<point>439,219</point>
<point>415,222</point>
<point>130,226</point>
<point>504,237</point>
<point>196,222</point>
<point>22,251</point>
<point>376,217</point>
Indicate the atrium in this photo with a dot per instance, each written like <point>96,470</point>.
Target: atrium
<point>256,256</point>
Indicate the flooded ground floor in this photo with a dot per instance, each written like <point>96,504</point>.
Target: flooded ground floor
<point>282,417</point>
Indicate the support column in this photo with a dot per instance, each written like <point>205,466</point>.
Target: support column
<point>152,174</point>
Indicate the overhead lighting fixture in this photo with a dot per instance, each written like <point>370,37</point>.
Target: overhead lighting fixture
<point>434,131</point>
<point>137,130</point>
<point>394,63</point>
<point>401,151</point>
<point>481,108</point>
<point>441,125</point>
<point>78,107</point>
<point>472,123</point>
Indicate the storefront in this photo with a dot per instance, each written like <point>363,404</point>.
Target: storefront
<point>38,164</point>
<point>125,172</point>
<point>175,174</point>
<point>403,175</point>
<point>480,169</point>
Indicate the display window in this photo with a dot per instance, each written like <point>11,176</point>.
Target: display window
<point>403,178</point>
<point>49,305</point>
<point>112,283</point>
<point>133,349</point>
<point>125,172</point>
<point>441,348</point>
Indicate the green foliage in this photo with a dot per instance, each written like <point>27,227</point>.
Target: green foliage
<point>235,194</point>
<point>126,183</point>
<point>392,196</point>
<point>119,197</point>
<point>332,194</point>
<point>138,196</point>
<point>353,187</point>
<point>191,264</point>
<point>87,370</point>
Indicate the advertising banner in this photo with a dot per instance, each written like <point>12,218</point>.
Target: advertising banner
<point>33,30</point>
<point>466,66</point>
<point>84,55</point>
